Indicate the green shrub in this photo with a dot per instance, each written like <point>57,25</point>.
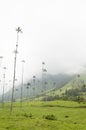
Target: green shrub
<point>49,117</point>
<point>66,116</point>
<point>25,115</point>
<point>30,115</point>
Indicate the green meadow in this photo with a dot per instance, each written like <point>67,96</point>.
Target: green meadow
<point>37,115</point>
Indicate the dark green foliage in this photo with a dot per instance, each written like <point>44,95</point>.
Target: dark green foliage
<point>79,99</point>
<point>50,98</point>
<point>72,92</point>
<point>66,116</point>
<point>30,115</point>
<point>25,115</point>
<point>49,117</point>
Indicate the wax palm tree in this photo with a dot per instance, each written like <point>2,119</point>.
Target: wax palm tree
<point>18,30</point>
<point>27,87</point>
<point>78,76</point>
<point>23,61</point>
<point>34,79</point>
<point>3,87</point>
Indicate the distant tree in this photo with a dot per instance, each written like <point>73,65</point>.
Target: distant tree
<point>27,87</point>
<point>78,76</point>
<point>34,80</point>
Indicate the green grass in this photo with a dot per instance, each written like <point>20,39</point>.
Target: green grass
<point>32,116</point>
<point>72,84</point>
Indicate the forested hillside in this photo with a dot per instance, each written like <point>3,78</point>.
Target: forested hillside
<point>38,87</point>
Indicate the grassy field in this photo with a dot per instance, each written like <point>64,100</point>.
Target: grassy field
<point>55,115</point>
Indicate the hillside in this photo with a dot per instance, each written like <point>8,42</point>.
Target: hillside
<point>39,86</point>
<point>74,88</point>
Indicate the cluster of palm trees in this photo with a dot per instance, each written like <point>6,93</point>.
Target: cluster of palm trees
<point>14,78</point>
<point>44,82</point>
<point>4,69</point>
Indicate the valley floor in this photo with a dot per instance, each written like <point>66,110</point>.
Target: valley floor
<point>35,115</point>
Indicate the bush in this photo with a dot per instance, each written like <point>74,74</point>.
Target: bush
<point>30,115</point>
<point>25,115</point>
<point>50,117</point>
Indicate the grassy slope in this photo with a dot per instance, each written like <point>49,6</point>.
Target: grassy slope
<point>69,116</point>
<point>70,85</point>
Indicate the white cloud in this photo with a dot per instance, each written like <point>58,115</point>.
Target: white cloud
<point>53,31</point>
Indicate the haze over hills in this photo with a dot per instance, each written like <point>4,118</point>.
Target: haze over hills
<point>58,85</point>
<point>39,86</point>
<point>74,89</point>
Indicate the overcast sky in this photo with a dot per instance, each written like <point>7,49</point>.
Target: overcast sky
<point>54,31</point>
